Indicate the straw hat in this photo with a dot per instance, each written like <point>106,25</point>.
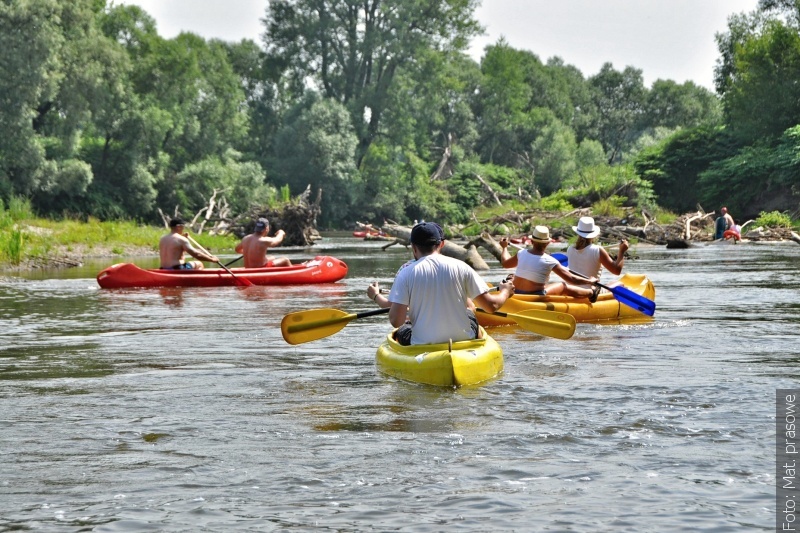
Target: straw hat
<point>540,234</point>
<point>586,228</point>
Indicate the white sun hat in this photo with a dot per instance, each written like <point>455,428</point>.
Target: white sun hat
<point>541,234</point>
<point>586,228</point>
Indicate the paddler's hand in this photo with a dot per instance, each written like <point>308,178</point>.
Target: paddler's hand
<point>623,246</point>
<point>504,243</point>
<point>373,290</point>
<point>507,287</point>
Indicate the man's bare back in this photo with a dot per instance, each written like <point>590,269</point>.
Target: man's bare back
<point>174,245</point>
<point>254,247</point>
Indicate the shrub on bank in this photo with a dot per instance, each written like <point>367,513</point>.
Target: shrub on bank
<point>773,219</point>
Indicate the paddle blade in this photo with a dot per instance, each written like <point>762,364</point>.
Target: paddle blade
<point>631,299</point>
<point>239,282</point>
<point>561,258</point>
<point>242,282</point>
<point>546,323</point>
<point>306,326</point>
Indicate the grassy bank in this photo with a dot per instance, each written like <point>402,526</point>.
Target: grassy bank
<point>30,242</point>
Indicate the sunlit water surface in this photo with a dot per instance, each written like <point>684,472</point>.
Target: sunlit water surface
<point>184,410</point>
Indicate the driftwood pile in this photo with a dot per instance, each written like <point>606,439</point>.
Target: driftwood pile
<point>689,227</point>
<point>298,218</point>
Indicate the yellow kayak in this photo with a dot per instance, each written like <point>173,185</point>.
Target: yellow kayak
<point>445,364</point>
<point>605,308</point>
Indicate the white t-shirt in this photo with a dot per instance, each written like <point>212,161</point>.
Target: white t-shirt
<point>535,268</point>
<point>586,261</point>
<point>435,288</point>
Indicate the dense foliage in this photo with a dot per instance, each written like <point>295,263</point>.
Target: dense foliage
<point>378,105</point>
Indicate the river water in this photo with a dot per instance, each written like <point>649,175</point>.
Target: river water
<point>184,410</point>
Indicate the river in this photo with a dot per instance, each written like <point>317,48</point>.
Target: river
<point>184,410</point>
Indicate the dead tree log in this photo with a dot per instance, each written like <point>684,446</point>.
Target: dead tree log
<point>488,243</point>
<point>489,190</point>
<point>468,254</point>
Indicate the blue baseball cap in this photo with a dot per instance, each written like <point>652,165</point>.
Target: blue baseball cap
<point>426,234</point>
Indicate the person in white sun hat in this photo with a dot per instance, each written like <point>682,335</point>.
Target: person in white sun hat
<point>534,266</point>
<point>587,258</point>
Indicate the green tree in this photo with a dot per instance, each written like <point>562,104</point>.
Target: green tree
<point>759,77</point>
<point>672,105</point>
<point>240,184</point>
<point>674,166</point>
<point>502,105</point>
<point>759,177</point>
<point>434,118</point>
<point>316,147</point>
<point>50,71</point>
<point>553,157</point>
<point>264,100</point>
<point>572,99</point>
<point>619,98</point>
<point>352,50</point>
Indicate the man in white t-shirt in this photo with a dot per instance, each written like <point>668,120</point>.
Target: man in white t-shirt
<point>431,296</point>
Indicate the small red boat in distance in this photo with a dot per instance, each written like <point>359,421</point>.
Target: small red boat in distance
<point>321,269</point>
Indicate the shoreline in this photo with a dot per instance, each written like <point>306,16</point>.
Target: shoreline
<point>65,257</point>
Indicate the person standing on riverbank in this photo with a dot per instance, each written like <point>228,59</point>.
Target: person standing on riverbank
<point>725,227</point>
<point>174,245</point>
<point>254,247</point>
<point>432,297</point>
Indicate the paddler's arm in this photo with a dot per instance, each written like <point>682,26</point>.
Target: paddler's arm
<point>505,256</point>
<point>615,267</point>
<point>397,314</point>
<point>197,254</point>
<point>492,301</point>
<point>374,294</point>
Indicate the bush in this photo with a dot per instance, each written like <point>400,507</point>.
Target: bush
<point>12,244</point>
<point>774,219</point>
<point>610,207</point>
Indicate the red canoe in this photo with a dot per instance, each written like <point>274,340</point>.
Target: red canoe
<point>364,234</point>
<point>321,269</point>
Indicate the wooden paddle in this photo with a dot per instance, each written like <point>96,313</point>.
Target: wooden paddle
<point>546,323</point>
<point>306,326</point>
<point>241,282</point>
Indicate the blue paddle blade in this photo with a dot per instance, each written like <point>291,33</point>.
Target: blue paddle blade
<point>561,258</point>
<point>631,299</point>
<point>626,296</point>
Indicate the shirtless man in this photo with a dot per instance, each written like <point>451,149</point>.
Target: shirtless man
<point>729,223</point>
<point>173,245</point>
<point>254,247</point>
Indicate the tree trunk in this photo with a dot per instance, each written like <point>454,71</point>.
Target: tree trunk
<point>468,254</point>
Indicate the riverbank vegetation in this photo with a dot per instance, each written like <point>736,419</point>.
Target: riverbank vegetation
<point>28,241</point>
<point>106,121</point>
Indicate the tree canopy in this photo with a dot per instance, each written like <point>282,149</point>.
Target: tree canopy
<point>378,105</point>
